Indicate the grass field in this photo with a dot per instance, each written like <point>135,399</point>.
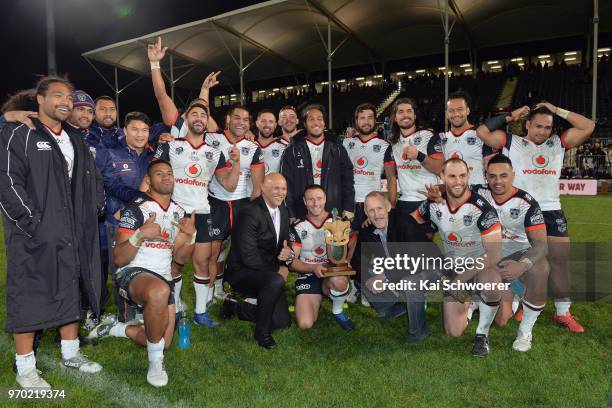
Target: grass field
<point>372,366</point>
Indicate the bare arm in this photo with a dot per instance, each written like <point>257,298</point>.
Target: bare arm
<point>391,173</point>
<point>302,267</point>
<point>168,109</point>
<point>582,128</point>
<point>490,132</point>
<point>257,177</point>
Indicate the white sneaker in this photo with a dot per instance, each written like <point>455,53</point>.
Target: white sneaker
<point>157,376</point>
<point>32,379</point>
<point>522,342</point>
<point>352,296</point>
<point>82,363</point>
<point>364,302</point>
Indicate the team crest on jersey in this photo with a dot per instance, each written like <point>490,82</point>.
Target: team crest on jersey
<point>550,143</point>
<point>471,140</point>
<point>176,216</point>
<point>179,150</point>
<point>193,170</point>
<point>467,220</point>
<point>525,142</point>
<point>537,217</point>
<point>275,153</point>
<point>438,214</point>
<point>417,140</point>
<point>514,213</point>
<point>540,160</point>
<point>361,162</point>
<point>303,234</point>
<point>208,155</point>
<point>244,151</point>
<point>443,140</point>
<point>376,148</point>
<point>215,144</point>
<point>194,156</point>
<point>351,145</point>
<point>489,220</point>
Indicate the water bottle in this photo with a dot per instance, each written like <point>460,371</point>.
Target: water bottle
<point>184,331</point>
<point>517,287</point>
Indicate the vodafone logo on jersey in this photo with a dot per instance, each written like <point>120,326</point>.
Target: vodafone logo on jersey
<point>361,162</point>
<point>193,170</point>
<point>319,250</point>
<point>319,164</point>
<point>540,160</point>
<point>453,237</point>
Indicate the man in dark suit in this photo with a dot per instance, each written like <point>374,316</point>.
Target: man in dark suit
<point>259,245</point>
<point>391,232</point>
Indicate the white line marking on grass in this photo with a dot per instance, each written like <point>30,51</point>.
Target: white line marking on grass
<point>104,383</point>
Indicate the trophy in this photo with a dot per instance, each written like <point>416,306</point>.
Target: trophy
<point>337,234</point>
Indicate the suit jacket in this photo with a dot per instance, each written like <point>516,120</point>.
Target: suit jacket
<point>254,245</point>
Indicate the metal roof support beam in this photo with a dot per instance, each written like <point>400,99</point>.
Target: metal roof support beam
<point>330,55</point>
<point>595,40</point>
<point>447,31</point>
<point>241,68</point>
<point>330,16</point>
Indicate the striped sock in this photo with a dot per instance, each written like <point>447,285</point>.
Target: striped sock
<point>202,291</point>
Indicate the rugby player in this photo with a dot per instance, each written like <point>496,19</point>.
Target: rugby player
<point>196,164</point>
<point>271,147</point>
<point>307,239</point>
<point>152,231</point>
<point>537,159</point>
<point>288,122</point>
<point>470,229</point>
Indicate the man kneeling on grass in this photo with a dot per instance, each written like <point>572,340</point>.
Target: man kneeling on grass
<point>152,231</point>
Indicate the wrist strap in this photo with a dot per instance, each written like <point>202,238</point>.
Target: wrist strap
<point>136,238</point>
<point>562,113</point>
<point>528,263</point>
<point>496,122</point>
<point>421,157</point>
<point>154,65</point>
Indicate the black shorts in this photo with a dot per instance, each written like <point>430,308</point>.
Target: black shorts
<point>223,214</point>
<point>556,224</point>
<point>360,217</point>
<point>203,224</point>
<point>123,278</point>
<point>308,283</point>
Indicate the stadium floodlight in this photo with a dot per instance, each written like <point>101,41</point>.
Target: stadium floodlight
<point>603,49</point>
<point>409,76</point>
<point>520,64</point>
<point>442,68</point>
<point>517,59</point>
<point>420,71</point>
<point>544,56</point>
<point>275,90</point>
<point>570,53</point>
<point>465,65</point>
<point>262,91</point>
<point>233,95</point>
<point>569,59</point>
<point>359,79</point>
<point>324,83</point>
<point>493,62</point>
<point>341,81</point>
<point>400,73</point>
<point>289,87</point>
<point>468,70</point>
<point>495,67</point>
<point>377,76</point>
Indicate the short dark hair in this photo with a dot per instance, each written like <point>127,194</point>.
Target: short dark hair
<point>155,163</point>
<point>311,106</point>
<point>136,116</point>
<point>499,158</point>
<point>455,160</point>
<point>364,107</point>
<point>313,187</point>
<point>197,105</point>
<point>287,107</point>
<point>43,83</point>
<point>460,95</point>
<point>103,98</point>
<point>542,110</point>
<point>236,106</point>
<point>22,100</point>
<point>261,112</point>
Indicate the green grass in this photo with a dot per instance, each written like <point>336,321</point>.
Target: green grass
<point>372,366</point>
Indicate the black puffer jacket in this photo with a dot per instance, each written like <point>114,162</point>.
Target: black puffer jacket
<point>336,176</point>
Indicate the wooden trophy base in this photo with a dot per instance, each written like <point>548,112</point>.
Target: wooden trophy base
<point>342,269</point>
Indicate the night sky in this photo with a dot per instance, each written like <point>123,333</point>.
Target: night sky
<point>83,25</point>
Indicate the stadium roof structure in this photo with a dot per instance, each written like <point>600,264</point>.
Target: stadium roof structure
<point>280,38</point>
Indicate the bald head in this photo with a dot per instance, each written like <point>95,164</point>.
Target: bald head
<point>274,189</point>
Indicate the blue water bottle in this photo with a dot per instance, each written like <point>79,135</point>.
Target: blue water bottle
<point>517,287</point>
<point>184,331</point>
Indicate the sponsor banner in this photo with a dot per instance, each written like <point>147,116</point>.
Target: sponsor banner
<point>578,187</point>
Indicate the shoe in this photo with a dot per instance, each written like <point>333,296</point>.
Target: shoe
<point>219,294</point>
<point>32,379</point>
<point>353,294</point>
<point>90,321</point>
<point>568,321</point>
<point>100,331</point>
<point>230,304</point>
<point>203,319</point>
<point>157,376</point>
<point>82,363</point>
<point>522,342</point>
<point>344,321</point>
<point>267,342</point>
<point>481,346</point>
<point>519,315</point>
<point>396,310</point>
